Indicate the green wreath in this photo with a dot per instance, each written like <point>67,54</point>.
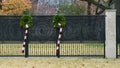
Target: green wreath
<point>58,19</point>
<point>26,19</point>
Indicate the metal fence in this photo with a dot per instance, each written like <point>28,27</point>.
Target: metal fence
<point>82,36</point>
<point>118,36</point>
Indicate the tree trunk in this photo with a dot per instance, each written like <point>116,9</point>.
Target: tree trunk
<point>1,4</point>
<point>89,7</point>
<point>97,8</point>
<point>117,6</point>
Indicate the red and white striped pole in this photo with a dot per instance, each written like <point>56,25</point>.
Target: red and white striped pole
<point>25,38</point>
<point>58,41</point>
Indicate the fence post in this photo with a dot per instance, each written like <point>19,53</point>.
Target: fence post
<point>110,29</point>
<point>26,40</point>
<point>57,50</point>
<point>26,47</point>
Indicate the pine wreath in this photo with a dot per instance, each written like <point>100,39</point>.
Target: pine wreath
<point>26,19</point>
<point>58,19</point>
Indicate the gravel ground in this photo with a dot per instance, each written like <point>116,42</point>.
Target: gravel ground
<point>59,63</point>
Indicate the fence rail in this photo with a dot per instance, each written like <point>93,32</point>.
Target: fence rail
<point>49,49</point>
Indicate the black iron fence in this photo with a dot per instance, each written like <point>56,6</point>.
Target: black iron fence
<point>118,36</point>
<point>82,36</point>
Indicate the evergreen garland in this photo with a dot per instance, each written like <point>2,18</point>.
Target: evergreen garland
<point>58,19</point>
<point>26,19</point>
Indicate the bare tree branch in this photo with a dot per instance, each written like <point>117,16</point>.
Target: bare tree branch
<point>89,7</point>
<point>97,8</point>
<point>97,4</point>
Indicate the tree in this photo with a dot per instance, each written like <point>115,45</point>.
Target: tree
<point>104,4</point>
<point>15,7</point>
<point>0,4</point>
<point>117,6</point>
<point>72,9</point>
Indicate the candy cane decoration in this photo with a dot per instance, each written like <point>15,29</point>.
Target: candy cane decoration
<point>25,38</point>
<point>58,41</point>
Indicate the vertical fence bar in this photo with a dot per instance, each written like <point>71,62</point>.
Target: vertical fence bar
<point>104,40</point>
